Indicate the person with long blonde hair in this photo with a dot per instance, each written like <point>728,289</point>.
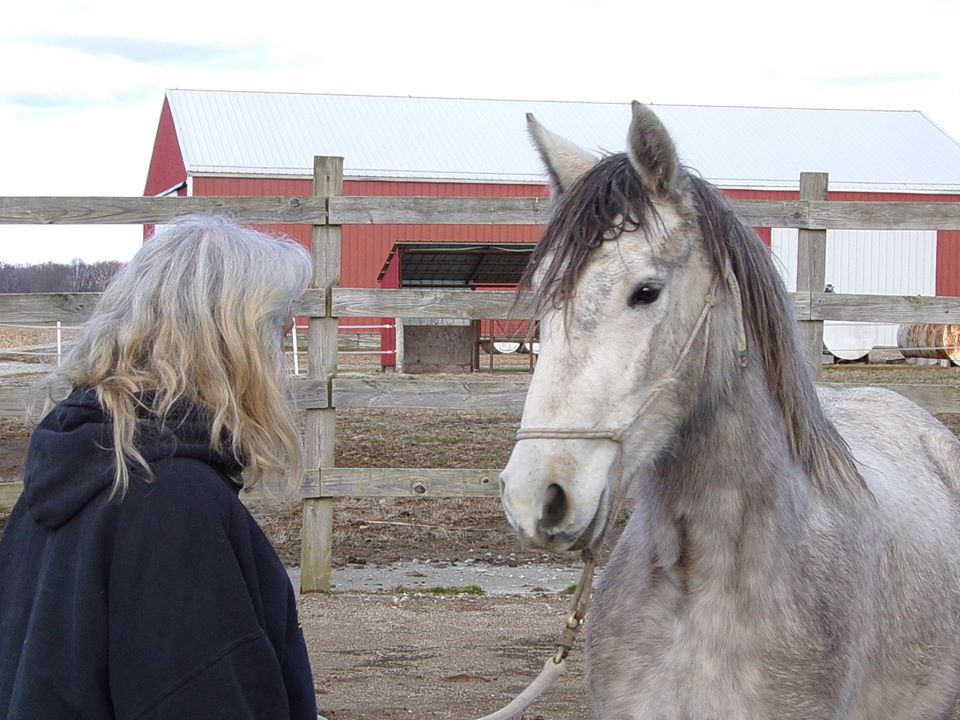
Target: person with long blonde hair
<point>133,581</point>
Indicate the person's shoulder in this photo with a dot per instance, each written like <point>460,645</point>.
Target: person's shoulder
<point>186,486</point>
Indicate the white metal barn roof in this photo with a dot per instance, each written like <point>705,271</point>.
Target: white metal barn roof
<point>261,133</point>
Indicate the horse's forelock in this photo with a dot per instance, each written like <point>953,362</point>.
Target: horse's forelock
<point>605,202</point>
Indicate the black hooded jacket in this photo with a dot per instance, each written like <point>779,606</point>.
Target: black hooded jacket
<point>169,604</point>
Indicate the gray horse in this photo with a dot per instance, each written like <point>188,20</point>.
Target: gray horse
<point>789,556</point>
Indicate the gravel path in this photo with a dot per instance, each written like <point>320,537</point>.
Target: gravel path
<point>424,577</point>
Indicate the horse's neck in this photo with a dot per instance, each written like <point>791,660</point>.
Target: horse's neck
<point>730,470</point>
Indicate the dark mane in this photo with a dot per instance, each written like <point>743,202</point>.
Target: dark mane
<point>608,201</point>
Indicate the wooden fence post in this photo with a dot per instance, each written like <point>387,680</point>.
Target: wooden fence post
<point>398,345</point>
<point>811,269</point>
<point>319,432</point>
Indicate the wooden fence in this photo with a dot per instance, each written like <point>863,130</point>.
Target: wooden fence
<point>322,391</point>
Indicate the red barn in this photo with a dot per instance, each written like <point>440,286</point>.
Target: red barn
<point>255,143</point>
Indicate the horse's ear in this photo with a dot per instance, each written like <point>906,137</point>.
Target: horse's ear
<point>653,154</point>
<point>564,161</point>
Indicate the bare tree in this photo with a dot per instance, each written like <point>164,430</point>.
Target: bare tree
<point>77,276</point>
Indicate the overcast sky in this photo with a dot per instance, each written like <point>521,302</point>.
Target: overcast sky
<point>83,80</point>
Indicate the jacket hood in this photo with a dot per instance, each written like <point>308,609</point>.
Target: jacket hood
<point>70,456</point>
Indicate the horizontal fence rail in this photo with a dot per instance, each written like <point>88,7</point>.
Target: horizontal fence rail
<point>431,304</point>
<point>457,394</point>
<point>307,210</point>
<point>75,308</point>
<point>465,305</point>
<point>403,482</point>
<point>359,210</point>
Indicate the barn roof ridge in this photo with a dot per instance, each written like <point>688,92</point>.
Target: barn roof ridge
<point>620,103</point>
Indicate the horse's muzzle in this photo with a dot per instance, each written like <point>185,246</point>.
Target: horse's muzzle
<point>554,528</point>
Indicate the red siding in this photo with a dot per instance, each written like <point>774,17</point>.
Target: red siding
<point>435,189</point>
<point>365,247</point>
<point>166,164</point>
<point>232,187</point>
<point>388,336</point>
<point>764,233</point>
<point>948,262</point>
<point>948,241</point>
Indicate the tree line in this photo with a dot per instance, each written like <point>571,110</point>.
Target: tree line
<point>75,276</point>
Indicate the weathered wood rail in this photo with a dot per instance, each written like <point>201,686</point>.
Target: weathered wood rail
<point>317,210</point>
<point>323,391</point>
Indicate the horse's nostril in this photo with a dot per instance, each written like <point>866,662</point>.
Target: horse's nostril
<point>555,505</point>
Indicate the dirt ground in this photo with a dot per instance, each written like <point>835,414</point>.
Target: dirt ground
<point>398,654</point>
<point>391,657</point>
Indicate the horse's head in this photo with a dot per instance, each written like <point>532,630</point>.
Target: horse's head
<point>625,287</point>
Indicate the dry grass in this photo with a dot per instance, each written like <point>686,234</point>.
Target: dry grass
<point>379,530</point>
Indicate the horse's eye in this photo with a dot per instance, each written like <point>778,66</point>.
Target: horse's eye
<point>644,294</point>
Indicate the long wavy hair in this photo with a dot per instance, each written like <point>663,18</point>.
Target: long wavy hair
<point>197,315</point>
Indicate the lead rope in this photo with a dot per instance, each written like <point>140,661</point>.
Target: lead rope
<point>557,663</point>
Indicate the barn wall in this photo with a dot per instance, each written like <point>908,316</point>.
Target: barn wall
<point>947,243</point>
<point>388,335</point>
<point>233,187</point>
<point>948,262</point>
<point>365,247</point>
<point>872,262</point>
<point>166,163</point>
<point>763,232</point>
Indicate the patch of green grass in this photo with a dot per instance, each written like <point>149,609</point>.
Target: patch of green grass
<point>458,590</point>
<point>570,589</point>
<point>441,590</point>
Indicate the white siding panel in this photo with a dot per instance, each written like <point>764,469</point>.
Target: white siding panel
<point>783,246</point>
<point>869,262</point>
